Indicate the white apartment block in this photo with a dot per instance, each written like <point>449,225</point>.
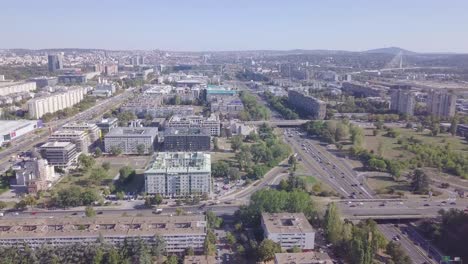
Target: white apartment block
<point>92,130</point>
<point>127,139</point>
<point>289,230</point>
<point>178,232</point>
<point>177,174</point>
<point>50,104</point>
<point>7,88</point>
<point>78,137</point>
<point>212,123</point>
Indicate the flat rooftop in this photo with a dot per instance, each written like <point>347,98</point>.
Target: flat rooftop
<point>180,162</point>
<point>69,133</point>
<point>56,144</point>
<point>7,126</point>
<point>185,131</point>
<point>132,132</point>
<point>303,258</point>
<point>9,83</point>
<point>286,223</point>
<point>107,226</point>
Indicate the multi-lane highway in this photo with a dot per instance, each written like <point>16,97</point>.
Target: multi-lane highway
<point>397,208</point>
<point>417,254</point>
<point>327,167</point>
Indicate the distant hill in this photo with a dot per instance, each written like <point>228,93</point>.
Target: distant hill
<point>391,50</point>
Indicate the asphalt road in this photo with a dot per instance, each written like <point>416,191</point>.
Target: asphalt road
<point>356,209</point>
<point>417,255</point>
<point>327,167</point>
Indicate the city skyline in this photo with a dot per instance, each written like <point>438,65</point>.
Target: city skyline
<point>429,26</point>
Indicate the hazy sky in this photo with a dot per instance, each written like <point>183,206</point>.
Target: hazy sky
<point>419,25</point>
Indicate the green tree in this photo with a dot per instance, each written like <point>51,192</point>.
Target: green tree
<point>233,174</point>
<point>97,175</point>
<point>215,144</point>
<point>98,256</point>
<point>453,126</point>
<point>141,149</point>
<point>89,211</point>
<point>219,169</point>
<point>231,239</point>
<point>106,165</point>
<point>397,253</point>
<point>357,135</point>
<point>98,152</point>
<point>120,195</point>
<point>267,250</point>
<point>212,220</point>
<point>292,161</point>
<point>333,224</point>
<point>125,174</point>
<point>88,196</point>
<point>172,260</point>
<point>236,143</point>
<point>115,150</point>
<point>113,256</point>
<point>435,129</point>
<point>30,200</point>
<point>420,182</point>
<point>86,162</point>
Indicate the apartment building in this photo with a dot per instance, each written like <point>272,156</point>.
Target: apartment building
<point>38,107</point>
<point>92,130</point>
<point>178,232</point>
<point>128,138</point>
<point>60,154</point>
<point>7,88</point>
<point>441,104</point>
<point>311,106</point>
<point>107,124</point>
<point>402,102</point>
<point>44,81</point>
<point>230,108</point>
<point>177,174</point>
<point>211,123</point>
<point>186,139</point>
<point>78,137</point>
<point>289,230</point>
<point>34,175</point>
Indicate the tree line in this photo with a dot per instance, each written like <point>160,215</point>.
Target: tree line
<point>280,104</point>
<point>130,251</point>
<point>361,242</point>
<point>252,109</point>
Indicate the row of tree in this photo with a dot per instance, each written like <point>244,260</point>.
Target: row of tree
<point>253,110</point>
<point>258,158</point>
<point>358,243</point>
<point>449,232</point>
<point>280,104</point>
<point>131,251</point>
<point>334,131</point>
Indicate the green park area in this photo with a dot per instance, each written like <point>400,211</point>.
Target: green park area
<point>390,148</point>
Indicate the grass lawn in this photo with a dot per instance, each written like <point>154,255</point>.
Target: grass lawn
<point>392,150</point>
<point>82,179</point>
<point>226,156</point>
